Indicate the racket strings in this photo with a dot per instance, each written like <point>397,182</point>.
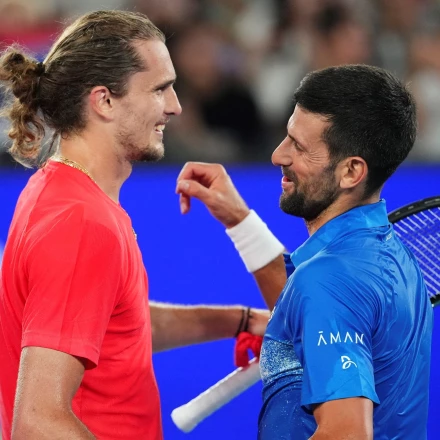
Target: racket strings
<point>421,247</point>
<point>421,233</point>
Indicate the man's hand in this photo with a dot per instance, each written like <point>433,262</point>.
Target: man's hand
<point>251,339</point>
<point>211,184</point>
<point>258,319</point>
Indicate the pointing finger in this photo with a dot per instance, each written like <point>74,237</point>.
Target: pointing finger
<point>185,203</point>
<point>191,188</point>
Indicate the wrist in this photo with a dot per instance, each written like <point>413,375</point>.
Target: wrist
<point>237,219</point>
<point>255,243</point>
<point>243,326</point>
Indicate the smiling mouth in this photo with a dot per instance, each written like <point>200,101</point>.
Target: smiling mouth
<point>286,183</point>
<point>160,128</point>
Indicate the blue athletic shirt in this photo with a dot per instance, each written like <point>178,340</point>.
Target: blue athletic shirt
<point>354,319</point>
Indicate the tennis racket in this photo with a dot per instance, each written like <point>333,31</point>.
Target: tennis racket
<point>416,224</point>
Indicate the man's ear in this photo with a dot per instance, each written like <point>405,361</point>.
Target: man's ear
<point>101,102</point>
<point>354,171</point>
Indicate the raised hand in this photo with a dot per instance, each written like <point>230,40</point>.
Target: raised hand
<point>211,184</point>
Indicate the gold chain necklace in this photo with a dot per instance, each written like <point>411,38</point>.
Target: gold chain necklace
<point>79,167</point>
<point>73,164</point>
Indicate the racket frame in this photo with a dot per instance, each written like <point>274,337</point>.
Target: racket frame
<point>411,209</point>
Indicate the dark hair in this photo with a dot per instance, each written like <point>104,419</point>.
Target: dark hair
<point>97,49</point>
<point>372,115</point>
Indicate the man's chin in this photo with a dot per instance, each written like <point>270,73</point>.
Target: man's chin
<point>150,154</point>
<point>294,203</point>
<point>288,206</point>
<point>155,156</point>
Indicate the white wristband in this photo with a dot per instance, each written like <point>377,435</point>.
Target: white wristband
<point>254,242</point>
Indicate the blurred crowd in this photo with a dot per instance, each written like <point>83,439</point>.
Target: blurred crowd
<point>239,61</point>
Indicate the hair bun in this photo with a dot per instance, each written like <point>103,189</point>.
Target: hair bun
<point>17,58</point>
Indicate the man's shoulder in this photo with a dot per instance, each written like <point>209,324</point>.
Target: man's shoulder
<point>50,209</point>
<point>333,277</point>
<point>67,215</point>
<point>54,195</point>
<point>351,256</point>
<point>323,266</point>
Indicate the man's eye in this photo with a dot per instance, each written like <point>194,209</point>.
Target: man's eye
<point>163,88</point>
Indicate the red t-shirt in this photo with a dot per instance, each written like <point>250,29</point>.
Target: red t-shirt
<point>73,280</point>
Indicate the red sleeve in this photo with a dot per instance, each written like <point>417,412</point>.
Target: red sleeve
<point>73,270</point>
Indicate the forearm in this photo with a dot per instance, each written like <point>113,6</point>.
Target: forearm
<point>271,280</point>
<point>350,419</point>
<point>262,254</point>
<point>59,425</point>
<point>177,326</point>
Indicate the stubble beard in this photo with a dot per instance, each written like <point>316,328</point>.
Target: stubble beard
<point>311,201</point>
<point>145,154</point>
<point>133,152</point>
<point>133,148</point>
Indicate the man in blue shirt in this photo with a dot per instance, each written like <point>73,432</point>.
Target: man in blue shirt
<point>346,354</point>
<point>354,320</point>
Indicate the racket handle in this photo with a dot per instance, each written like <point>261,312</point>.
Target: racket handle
<point>188,416</point>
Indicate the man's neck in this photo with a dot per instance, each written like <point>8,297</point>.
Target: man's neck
<point>100,159</point>
<point>341,205</point>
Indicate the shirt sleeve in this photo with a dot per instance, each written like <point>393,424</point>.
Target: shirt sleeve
<point>73,268</point>
<point>332,325</point>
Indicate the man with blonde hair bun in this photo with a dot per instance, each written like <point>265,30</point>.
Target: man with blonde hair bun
<point>76,329</point>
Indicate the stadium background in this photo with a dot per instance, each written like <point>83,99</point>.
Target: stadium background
<point>238,63</point>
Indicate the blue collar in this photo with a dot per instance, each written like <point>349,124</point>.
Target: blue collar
<point>361,217</point>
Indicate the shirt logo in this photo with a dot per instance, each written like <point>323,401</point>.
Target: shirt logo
<point>347,362</point>
<point>337,338</point>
